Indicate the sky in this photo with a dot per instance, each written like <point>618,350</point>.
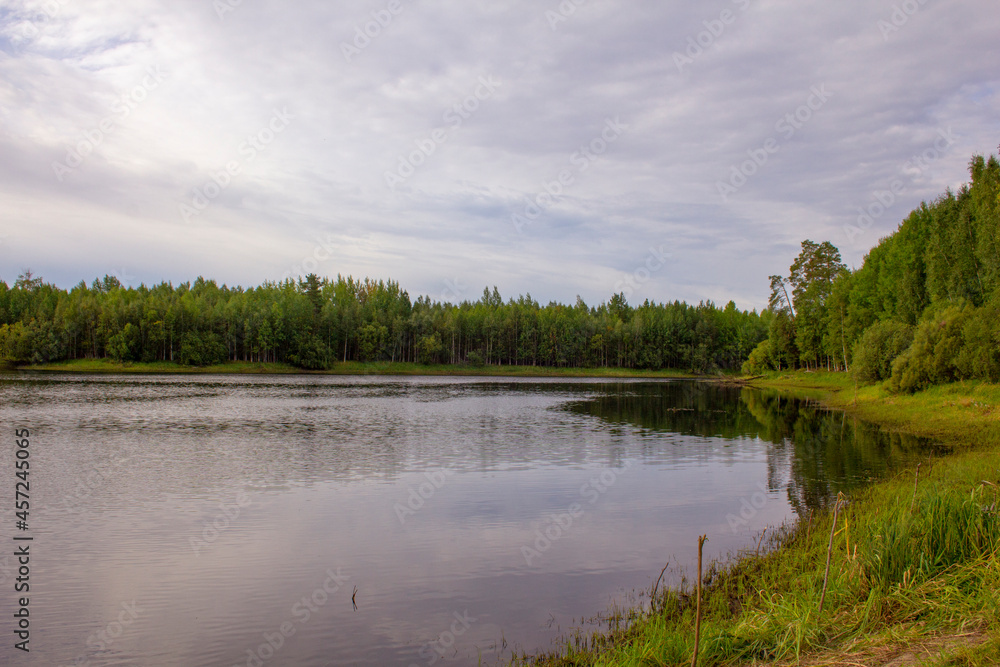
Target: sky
<point>661,149</point>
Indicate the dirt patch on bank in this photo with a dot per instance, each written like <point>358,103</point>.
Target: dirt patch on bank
<point>918,654</point>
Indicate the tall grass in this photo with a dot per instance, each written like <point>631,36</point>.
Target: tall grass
<point>947,528</point>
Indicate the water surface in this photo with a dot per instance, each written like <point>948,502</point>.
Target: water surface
<point>318,520</point>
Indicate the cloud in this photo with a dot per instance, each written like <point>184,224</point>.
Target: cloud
<point>564,69</point>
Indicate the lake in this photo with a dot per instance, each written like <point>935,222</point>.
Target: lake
<point>330,520</point>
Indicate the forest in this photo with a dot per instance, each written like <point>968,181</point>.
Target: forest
<point>923,309</point>
<point>314,322</point>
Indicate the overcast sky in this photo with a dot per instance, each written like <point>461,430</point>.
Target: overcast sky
<point>668,150</point>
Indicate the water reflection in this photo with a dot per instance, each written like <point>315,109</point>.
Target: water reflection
<point>226,508</point>
<point>815,453</point>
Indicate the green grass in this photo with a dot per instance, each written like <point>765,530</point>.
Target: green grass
<point>108,366</point>
<point>911,565</point>
<point>351,368</point>
<point>401,368</point>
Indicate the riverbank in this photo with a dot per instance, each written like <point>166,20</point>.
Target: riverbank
<point>914,575</point>
<point>347,368</point>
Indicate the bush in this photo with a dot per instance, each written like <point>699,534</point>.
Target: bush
<point>759,360</point>
<point>372,339</point>
<point>954,343</point>
<point>429,349</point>
<point>312,355</point>
<point>123,345</point>
<point>980,354</point>
<point>878,347</point>
<point>205,349</point>
<point>34,342</point>
<point>931,359</point>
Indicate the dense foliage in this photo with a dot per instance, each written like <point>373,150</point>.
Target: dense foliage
<point>923,308</point>
<point>315,322</point>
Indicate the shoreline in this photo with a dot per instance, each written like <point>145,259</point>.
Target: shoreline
<point>106,367</point>
<point>915,565</point>
<point>761,606</point>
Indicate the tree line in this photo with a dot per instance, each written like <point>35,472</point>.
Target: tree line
<point>923,309</point>
<point>315,322</point>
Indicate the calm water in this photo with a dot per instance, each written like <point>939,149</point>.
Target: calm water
<point>192,520</point>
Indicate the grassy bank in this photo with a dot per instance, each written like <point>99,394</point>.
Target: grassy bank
<point>914,568</point>
<point>349,368</point>
<point>114,367</point>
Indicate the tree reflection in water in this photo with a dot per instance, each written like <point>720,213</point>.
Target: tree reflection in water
<point>813,452</point>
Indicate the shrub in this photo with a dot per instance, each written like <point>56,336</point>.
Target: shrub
<point>980,353</point>
<point>429,349</point>
<point>312,355</point>
<point>759,360</point>
<point>123,345</point>
<point>205,349</point>
<point>931,359</point>
<point>878,347</point>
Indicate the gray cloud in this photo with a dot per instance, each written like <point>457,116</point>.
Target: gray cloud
<point>356,111</point>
